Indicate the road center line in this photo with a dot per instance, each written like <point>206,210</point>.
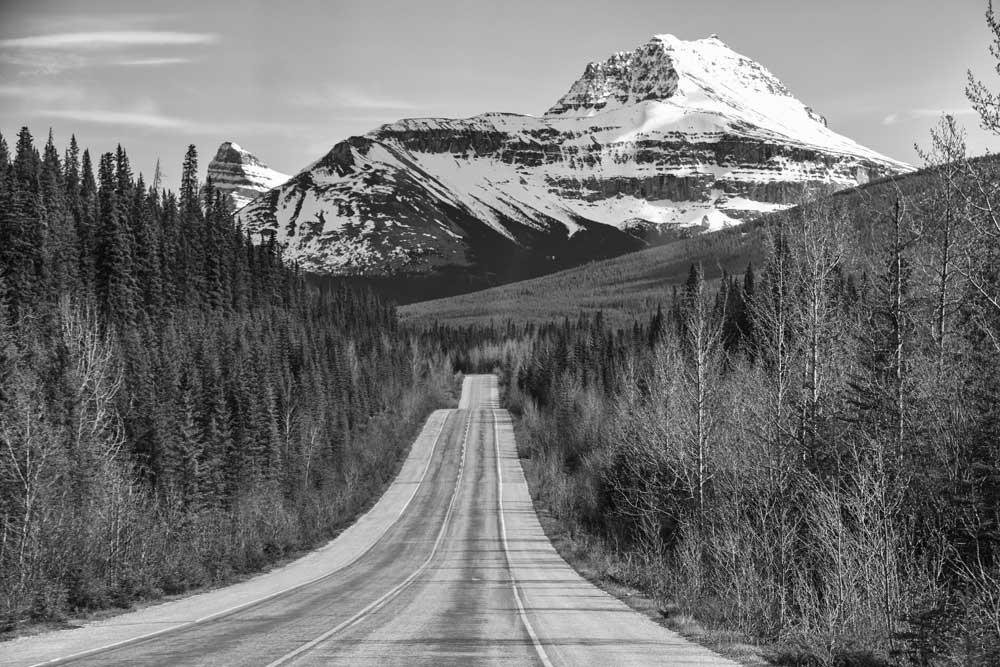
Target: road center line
<point>401,586</point>
<point>539,649</point>
<point>246,605</point>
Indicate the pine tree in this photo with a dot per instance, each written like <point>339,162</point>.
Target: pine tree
<point>657,327</point>
<point>4,157</point>
<point>27,162</point>
<point>215,248</point>
<point>146,249</point>
<point>71,174</point>
<point>21,227</point>
<point>61,247</point>
<point>191,232</point>
<point>112,265</point>
<point>86,223</point>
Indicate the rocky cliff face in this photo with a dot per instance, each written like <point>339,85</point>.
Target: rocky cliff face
<point>672,133</point>
<point>240,174</point>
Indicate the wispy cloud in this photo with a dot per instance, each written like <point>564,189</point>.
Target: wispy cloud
<point>109,39</point>
<point>922,113</point>
<point>35,92</point>
<point>55,52</point>
<point>148,116</point>
<point>29,63</point>
<point>52,62</point>
<point>352,99</point>
<point>47,23</point>
<point>150,62</point>
<point>150,120</point>
<point>934,113</point>
<point>349,97</point>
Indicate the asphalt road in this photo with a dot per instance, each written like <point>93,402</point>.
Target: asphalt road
<point>451,566</point>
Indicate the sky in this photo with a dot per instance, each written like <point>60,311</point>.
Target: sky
<point>288,80</point>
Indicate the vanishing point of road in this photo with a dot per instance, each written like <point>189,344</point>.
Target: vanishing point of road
<point>450,567</point>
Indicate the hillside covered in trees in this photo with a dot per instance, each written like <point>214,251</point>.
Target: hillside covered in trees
<point>177,405</point>
<point>809,453</point>
<point>629,287</point>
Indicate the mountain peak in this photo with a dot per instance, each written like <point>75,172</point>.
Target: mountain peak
<point>236,171</point>
<point>232,153</point>
<point>673,85</point>
<point>671,70</point>
<point>624,78</point>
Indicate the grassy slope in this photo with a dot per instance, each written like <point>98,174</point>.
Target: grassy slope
<point>622,287</point>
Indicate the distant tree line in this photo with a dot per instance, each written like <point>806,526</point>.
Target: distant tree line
<point>177,404</point>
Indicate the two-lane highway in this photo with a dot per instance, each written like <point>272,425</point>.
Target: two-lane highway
<point>451,566</point>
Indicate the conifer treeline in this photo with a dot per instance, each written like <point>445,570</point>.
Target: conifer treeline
<point>176,404</point>
<point>809,454</point>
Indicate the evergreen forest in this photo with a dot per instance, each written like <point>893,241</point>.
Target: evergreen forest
<point>178,405</point>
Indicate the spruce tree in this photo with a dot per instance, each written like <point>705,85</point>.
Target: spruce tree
<point>61,247</point>
<point>192,232</point>
<point>86,223</point>
<point>4,156</point>
<point>21,225</point>
<point>112,267</point>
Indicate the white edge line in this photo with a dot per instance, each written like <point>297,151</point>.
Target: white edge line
<point>398,588</point>
<point>464,400</point>
<point>539,649</point>
<point>244,605</point>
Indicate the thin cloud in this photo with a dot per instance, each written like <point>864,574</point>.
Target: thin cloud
<point>109,39</point>
<point>934,113</point>
<point>921,113</point>
<point>147,120</point>
<point>147,116</point>
<point>345,97</point>
<point>42,62</point>
<point>245,128</point>
<point>360,100</point>
<point>46,24</point>
<point>151,62</point>
<point>39,93</point>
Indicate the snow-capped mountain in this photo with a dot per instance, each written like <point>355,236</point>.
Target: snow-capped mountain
<point>238,172</point>
<point>678,133</point>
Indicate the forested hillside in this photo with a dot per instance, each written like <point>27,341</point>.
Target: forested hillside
<point>176,405</point>
<point>622,288</point>
<point>628,287</point>
<point>808,455</point>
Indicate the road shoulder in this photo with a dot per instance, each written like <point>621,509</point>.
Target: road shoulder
<point>593,564</point>
<point>188,610</point>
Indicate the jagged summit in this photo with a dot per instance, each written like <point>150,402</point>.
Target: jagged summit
<point>232,152</point>
<point>655,70</point>
<point>703,82</point>
<point>237,171</point>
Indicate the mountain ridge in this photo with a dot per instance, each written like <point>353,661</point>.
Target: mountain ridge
<point>672,134</point>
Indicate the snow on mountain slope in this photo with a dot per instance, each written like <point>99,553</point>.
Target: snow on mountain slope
<point>699,85</point>
<point>239,173</point>
<point>673,133</point>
